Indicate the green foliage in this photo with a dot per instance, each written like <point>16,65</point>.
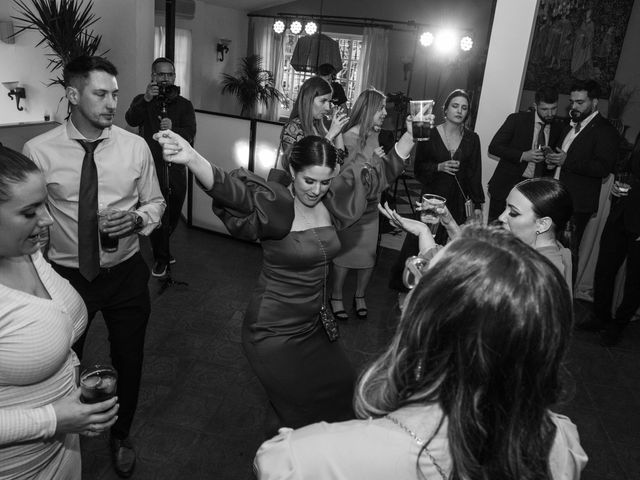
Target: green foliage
<point>252,85</point>
<point>64,26</point>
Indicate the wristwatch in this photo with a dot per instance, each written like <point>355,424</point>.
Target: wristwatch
<point>138,223</point>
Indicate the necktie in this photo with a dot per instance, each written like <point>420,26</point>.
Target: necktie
<point>88,248</point>
<point>541,139</point>
<point>538,169</point>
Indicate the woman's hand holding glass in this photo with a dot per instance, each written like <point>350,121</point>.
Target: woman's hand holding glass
<point>338,122</point>
<point>449,166</point>
<point>74,416</point>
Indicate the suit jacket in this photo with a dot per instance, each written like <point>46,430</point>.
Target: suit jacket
<point>590,158</point>
<point>629,207</point>
<point>514,137</point>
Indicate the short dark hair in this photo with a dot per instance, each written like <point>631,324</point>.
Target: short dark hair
<point>546,94</point>
<point>14,168</point>
<point>590,86</point>
<point>313,151</point>
<point>162,60</point>
<point>82,66</point>
<point>326,69</point>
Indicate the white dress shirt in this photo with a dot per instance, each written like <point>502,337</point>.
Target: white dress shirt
<point>126,181</point>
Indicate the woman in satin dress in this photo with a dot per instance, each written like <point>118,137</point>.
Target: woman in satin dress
<point>295,214</point>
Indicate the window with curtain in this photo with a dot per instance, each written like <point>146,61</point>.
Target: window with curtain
<point>182,60</point>
<point>350,49</point>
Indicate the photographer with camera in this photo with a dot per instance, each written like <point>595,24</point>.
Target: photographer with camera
<point>162,108</point>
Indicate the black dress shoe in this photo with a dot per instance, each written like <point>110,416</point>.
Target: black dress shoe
<point>123,456</point>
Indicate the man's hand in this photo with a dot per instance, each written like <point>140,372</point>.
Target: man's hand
<point>120,224</point>
<point>152,92</point>
<point>533,155</point>
<point>620,190</point>
<point>165,123</point>
<point>556,159</point>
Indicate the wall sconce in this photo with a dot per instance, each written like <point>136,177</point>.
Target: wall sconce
<point>15,90</point>
<point>222,48</point>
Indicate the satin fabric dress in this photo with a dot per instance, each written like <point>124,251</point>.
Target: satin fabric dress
<point>307,378</point>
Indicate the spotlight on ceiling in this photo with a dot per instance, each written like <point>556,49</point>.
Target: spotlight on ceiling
<point>295,27</point>
<point>310,28</point>
<point>278,26</point>
<point>466,43</point>
<point>426,39</point>
<point>446,41</point>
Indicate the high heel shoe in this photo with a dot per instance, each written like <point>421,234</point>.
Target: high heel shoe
<point>361,312</point>
<point>341,314</point>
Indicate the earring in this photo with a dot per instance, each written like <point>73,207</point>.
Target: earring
<point>538,232</point>
<point>417,373</point>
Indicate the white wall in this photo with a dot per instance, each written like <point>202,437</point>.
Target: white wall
<point>504,73</point>
<point>127,31</point>
<point>208,25</point>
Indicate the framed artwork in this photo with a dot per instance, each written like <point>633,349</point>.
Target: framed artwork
<point>577,39</point>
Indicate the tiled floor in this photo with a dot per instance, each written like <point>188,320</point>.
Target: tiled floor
<point>202,411</point>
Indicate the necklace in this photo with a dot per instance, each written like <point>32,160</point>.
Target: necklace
<point>447,143</point>
<point>419,441</point>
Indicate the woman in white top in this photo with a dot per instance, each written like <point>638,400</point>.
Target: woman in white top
<point>40,317</point>
<point>465,388</point>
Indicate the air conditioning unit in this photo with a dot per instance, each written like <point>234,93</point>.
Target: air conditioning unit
<point>184,8</point>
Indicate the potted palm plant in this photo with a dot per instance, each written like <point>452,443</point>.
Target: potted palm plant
<point>64,26</point>
<point>252,85</point>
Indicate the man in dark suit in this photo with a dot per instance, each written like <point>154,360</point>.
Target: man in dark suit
<point>620,239</point>
<point>587,154</point>
<point>518,143</point>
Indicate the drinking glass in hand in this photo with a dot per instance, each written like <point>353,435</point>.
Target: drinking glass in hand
<point>421,124</point>
<point>98,383</point>
<point>108,243</point>
<point>622,181</point>
<point>431,209</point>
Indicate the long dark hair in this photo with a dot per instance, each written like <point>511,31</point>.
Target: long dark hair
<point>303,107</point>
<point>312,151</point>
<point>367,105</point>
<point>14,168</point>
<point>550,198</point>
<point>489,324</point>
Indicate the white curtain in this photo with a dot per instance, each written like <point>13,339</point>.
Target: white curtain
<point>265,42</point>
<point>372,68</point>
<point>182,52</point>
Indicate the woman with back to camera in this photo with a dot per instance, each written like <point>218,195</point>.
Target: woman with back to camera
<point>312,105</point>
<point>295,215</point>
<point>449,165</point>
<point>359,241</point>
<point>41,316</point>
<point>464,390</point>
